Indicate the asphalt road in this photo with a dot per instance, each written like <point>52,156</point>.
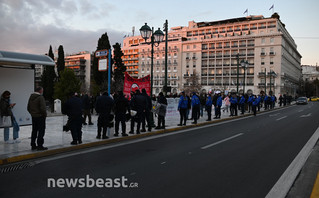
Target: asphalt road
<point>240,158</point>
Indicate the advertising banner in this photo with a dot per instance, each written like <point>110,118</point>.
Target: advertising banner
<point>132,84</point>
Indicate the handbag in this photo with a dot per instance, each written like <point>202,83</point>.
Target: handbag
<point>5,121</point>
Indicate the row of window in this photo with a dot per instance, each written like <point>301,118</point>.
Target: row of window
<point>254,26</point>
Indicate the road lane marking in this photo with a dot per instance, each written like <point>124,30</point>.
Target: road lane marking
<point>281,188</point>
<point>163,163</point>
<point>281,118</point>
<point>221,141</point>
<point>271,115</point>
<point>304,116</point>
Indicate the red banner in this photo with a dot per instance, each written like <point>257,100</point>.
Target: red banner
<point>132,84</point>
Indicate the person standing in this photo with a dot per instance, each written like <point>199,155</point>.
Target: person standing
<point>242,104</point>
<point>208,106</point>
<point>202,99</point>
<point>250,102</point>
<point>73,109</point>
<point>37,109</point>
<point>86,102</point>
<point>255,103</point>
<point>233,105</point>
<point>182,108</point>
<point>121,107</point>
<point>227,103</point>
<point>219,103</point>
<point>195,107</point>
<point>162,111</point>
<point>280,100</point>
<point>259,99</point>
<point>104,105</point>
<point>6,110</point>
<point>139,104</point>
<point>147,114</point>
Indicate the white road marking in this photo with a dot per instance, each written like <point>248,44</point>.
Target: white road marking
<point>221,141</point>
<point>163,163</point>
<point>281,118</point>
<point>308,115</point>
<point>271,115</point>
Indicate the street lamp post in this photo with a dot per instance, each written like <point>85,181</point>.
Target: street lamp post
<point>156,38</point>
<point>166,38</point>
<point>244,64</point>
<point>237,72</point>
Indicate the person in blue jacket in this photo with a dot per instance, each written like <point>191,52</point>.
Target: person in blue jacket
<point>266,101</point>
<point>255,103</point>
<point>182,108</point>
<point>219,104</point>
<point>208,107</point>
<point>195,107</point>
<point>259,101</point>
<point>250,102</point>
<point>242,104</point>
<point>233,105</point>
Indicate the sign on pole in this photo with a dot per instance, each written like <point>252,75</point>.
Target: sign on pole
<point>101,53</point>
<point>102,64</point>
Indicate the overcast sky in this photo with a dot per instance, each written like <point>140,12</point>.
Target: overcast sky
<point>31,26</point>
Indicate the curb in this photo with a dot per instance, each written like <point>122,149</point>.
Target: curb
<point>15,159</point>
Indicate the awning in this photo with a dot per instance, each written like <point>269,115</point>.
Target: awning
<point>23,59</point>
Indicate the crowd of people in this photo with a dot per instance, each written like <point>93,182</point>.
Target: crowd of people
<point>139,109</point>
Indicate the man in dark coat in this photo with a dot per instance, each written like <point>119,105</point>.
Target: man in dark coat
<point>37,109</point>
<point>138,104</point>
<point>147,112</point>
<point>73,109</point>
<point>161,116</point>
<point>120,109</point>
<point>86,102</point>
<point>104,105</point>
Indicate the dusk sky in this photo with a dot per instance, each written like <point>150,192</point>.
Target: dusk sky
<point>31,26</point>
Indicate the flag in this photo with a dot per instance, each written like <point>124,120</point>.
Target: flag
<point>246,11</point>
<point>272,7</point>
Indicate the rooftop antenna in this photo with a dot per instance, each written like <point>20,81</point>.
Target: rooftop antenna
<point>133,30</point>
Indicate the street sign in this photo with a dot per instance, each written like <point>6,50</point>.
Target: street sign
<point>101,53</point>
<point>102,64</point>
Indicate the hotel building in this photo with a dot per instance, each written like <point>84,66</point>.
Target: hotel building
<point>213,51</point>
<point>81,64</point>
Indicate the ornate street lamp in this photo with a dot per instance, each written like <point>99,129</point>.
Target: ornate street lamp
<point>244,64</point>
<point>156,38</point>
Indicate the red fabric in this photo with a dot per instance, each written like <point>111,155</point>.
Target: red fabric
<point>132,84</point>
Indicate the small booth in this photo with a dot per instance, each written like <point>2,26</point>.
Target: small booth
<point>17,75</point>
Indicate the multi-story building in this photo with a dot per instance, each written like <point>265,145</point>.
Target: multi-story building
<point>213,50</point>
<point>310,73</point>
<point>81,64</point>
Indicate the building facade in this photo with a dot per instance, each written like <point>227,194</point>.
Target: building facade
<point>310,73</point>
<point>81,64</point>
<point>213,51</point>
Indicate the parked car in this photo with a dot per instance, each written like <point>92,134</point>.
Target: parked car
<point>313,98</point>
<point>302,100</point>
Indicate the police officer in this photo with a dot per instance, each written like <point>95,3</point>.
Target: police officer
<point>104,105</point>
<point>120,109</point>
<point>182,108</point>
